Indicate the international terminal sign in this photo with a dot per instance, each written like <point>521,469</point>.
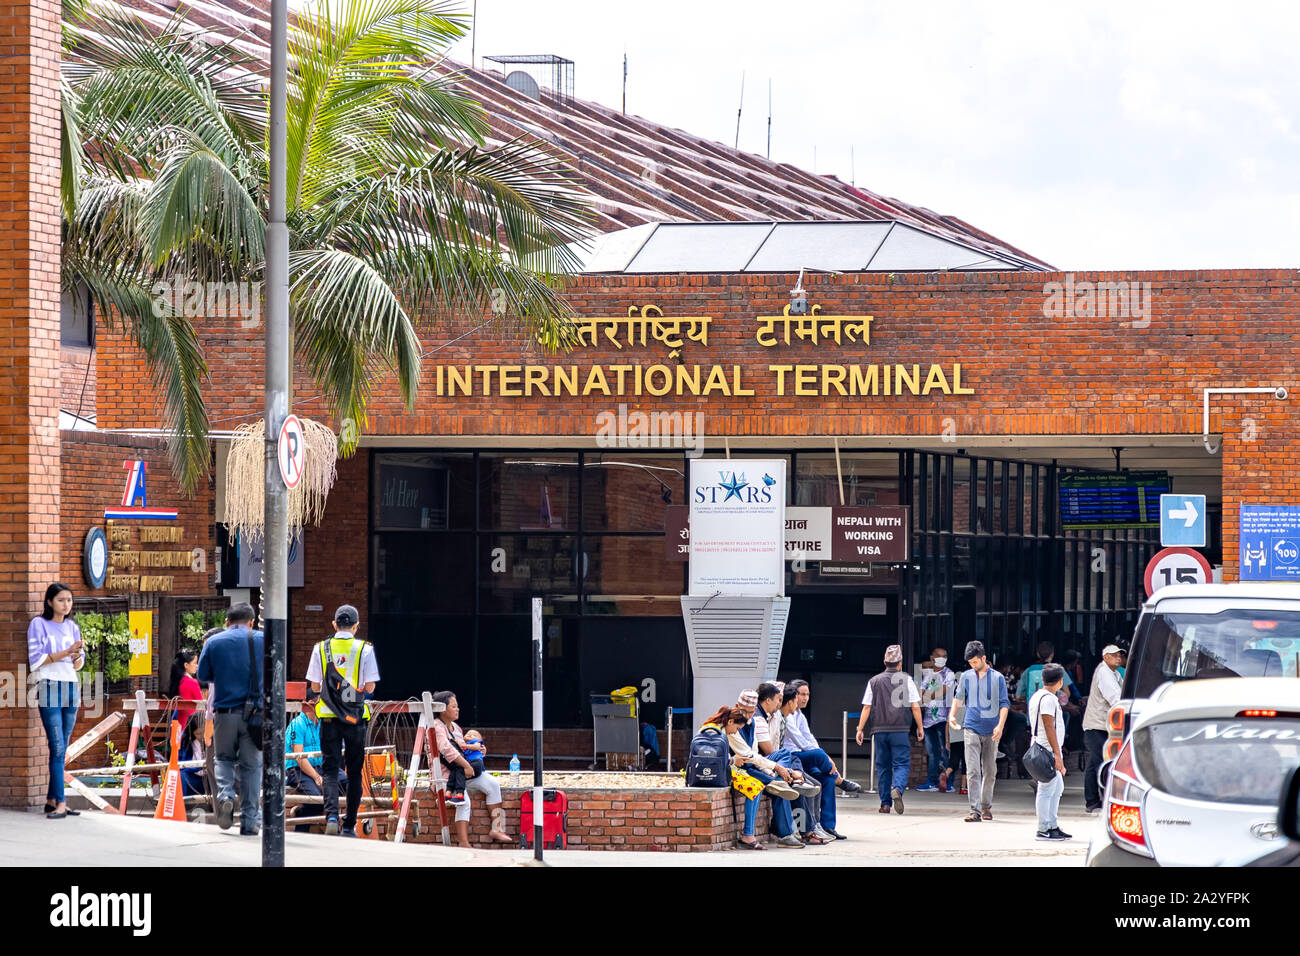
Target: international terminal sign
<point>648,327</point>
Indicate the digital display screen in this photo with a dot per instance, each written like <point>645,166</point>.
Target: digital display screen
<point>1124,500</point>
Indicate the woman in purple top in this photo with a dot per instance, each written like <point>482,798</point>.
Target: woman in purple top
<point>55,652</point>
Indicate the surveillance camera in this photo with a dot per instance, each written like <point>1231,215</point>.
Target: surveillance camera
<point>798,304</point>
<point>1280,393</point>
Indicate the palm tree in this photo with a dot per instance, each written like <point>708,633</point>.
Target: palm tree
<point>398,214</point>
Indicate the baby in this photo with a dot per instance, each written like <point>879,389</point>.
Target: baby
<point>474,752</point>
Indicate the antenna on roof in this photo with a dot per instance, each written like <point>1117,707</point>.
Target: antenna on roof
<point>624,80</point>
<point>742,107</point>
<point>769,117</point>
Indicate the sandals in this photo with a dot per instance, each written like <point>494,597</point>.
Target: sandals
<point>742,845</point>
<point>974,817</point>
<point>813,839</point>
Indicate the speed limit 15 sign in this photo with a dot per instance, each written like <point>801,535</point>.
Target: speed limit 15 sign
<point>1177,566</point>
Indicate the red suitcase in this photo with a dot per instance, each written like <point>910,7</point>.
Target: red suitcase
<point>555,820</point>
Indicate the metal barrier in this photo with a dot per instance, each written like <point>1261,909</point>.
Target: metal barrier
<point>844,745</point>
<point>668,722</point>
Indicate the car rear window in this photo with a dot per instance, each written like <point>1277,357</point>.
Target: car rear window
<point>1223,760</point>
<point>1236,643</point>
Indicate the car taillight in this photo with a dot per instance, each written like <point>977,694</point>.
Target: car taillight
<point>1125,792</point>
<point>1258,713</point>
<point>1115,719</point>
<point>1116,723</point>
<point>1111,750</point>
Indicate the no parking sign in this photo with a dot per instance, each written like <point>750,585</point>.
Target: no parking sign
<point>291,451</point>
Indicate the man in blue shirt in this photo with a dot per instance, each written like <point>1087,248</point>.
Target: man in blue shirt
<point>237,690</point>
<point>303,774</point>
<point>983,693</point>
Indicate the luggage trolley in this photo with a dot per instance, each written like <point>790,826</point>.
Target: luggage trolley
<point>616,727</point>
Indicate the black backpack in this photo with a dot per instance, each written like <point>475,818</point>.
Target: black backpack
<point>709,761</point>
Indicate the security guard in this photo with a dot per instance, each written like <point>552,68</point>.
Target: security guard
<point>343,670</point>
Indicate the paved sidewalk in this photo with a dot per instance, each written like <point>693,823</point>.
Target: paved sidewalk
<point>930,833</point>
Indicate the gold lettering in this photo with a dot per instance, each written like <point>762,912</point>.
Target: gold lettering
<point>767,329</point>
<point>621,371</point>
<point>717,380</point>
<point>462,379</point>
<point>901,377</point>
<point>566,379</point>
<point>956,382</point>
<point>667,376</point>
<point>437,380</point>
<point>833,375</point>
<point>485,372</point>
<point>736,388</point>
<point>535,375</point>
<point>690,376</point>
<point>804,380</point>
<point>864,385</point>
<point>595,380</point>
<point>510,381</point>
<point>936,379</point>
<point>780,371</point>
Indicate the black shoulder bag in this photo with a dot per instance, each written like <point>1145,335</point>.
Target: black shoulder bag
<point>253,702</point>
<point>342,698</point>
<point>1038,761</point>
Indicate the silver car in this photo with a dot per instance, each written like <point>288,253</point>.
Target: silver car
<point>1198,779</point>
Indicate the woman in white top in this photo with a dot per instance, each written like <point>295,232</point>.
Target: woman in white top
<point>1049,732</point>
<point>55,652</point>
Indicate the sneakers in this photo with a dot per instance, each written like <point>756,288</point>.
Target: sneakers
<point>849,786</point>
<point>348,832</point>
<point>779,788</point>
<point>808,788</point>
<point>825,834</point>
<point>790,841</point>
<point>1054,835</point>
<point>332,826</point>
<point>225,813</point>
<point>455,799</point>
<point>927,788</point>
<point>251,831</point>
<point>897,796</point>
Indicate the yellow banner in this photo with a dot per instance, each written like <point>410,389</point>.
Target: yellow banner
<point>141,625</point>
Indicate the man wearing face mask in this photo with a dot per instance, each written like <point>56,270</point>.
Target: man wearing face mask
<point>937,686</point>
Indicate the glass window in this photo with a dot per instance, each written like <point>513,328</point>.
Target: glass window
<point>630,492</point>
<point>1220,759</point>
<point>418,573</point>
<point>868,480</point>
<point>515,568</point>
<point>423,492</point>
<point>529,492</point>
<point>1233,643</point>
<point>630,575</point>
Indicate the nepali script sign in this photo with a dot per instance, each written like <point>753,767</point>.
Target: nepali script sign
<point>737,527</point>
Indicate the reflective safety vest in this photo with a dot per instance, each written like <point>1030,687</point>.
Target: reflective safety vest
<point>337,647</point>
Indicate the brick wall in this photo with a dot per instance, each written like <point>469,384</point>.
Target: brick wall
<point>1032,375</point>
<point>678,819</point>
<point>29,350</point>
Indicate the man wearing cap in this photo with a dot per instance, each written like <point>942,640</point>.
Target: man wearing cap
<point>982,691</point>
<point>342,670</point>
<point>893,698</point>
<point>1102,696</point>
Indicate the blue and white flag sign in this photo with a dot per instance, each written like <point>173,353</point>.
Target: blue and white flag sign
<point>1182,521</point>
<point>1269,539</point>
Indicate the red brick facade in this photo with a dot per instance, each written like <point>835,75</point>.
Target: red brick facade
<point>1031,375</point>
<point>29,339</point>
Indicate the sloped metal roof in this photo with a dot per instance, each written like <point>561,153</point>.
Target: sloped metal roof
<point>637,172</point>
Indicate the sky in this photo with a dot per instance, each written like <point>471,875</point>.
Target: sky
<point>1103,135</point>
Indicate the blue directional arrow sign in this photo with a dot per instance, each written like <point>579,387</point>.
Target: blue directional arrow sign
<point>1182,521</point>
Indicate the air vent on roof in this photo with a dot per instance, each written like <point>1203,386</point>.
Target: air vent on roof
<point>521,82</point>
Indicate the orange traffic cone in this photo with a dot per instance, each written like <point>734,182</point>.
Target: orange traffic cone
<point>172,804</point>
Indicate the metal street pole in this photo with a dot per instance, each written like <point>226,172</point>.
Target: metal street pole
<point>275,532</point>
<point>537,729</point>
